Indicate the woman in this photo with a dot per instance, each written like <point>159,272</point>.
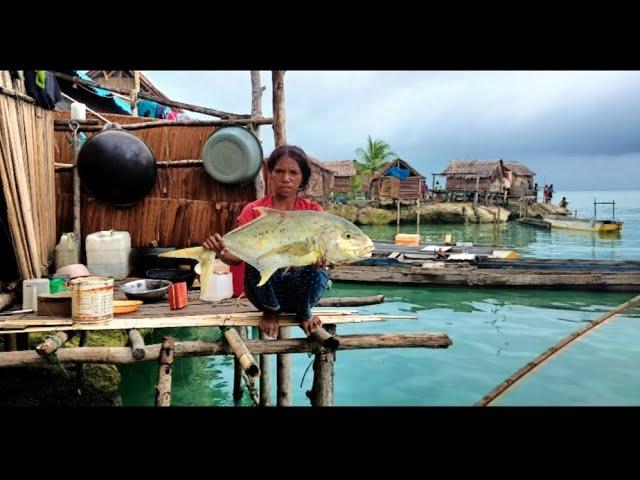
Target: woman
<point>299,289</point>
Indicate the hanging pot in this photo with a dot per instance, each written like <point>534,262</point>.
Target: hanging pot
<point>117,167</point>
<point>232,155</point>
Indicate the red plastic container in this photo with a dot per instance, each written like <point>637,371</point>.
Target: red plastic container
<point>178,295</point>
<point>237,272</point>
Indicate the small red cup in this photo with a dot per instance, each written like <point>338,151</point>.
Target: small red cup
<point>178,295</point>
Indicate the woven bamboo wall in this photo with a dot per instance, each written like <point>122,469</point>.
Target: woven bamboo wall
<point>185,206</point>
<point>27,178</point>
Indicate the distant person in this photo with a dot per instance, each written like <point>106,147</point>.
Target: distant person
<point>425,190</point>
<point>437,187</point>
<point>506,184</point>
<point>545,194</point>
<point>535,192</point>
<point>563,202</point>
<point>550,192</point>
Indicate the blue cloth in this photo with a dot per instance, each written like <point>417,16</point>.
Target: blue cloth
<point>146,108</point>
<point>296,291</point>
<point>123,105</point>
<point>397,172</point>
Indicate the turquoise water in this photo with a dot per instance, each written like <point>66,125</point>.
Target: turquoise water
<point>495,332</point>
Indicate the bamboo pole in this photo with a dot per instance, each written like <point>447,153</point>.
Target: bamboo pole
<point>265,378</point>
<point>6,300</point>
<point>239,348</point>
<point>238,373</point>
<point>54,342</point>
<point>283,362</point>
<point>544,356</point>
<point>325,338</point>
<point>165,359</point>
<point>283,373</point>
<point>350,301</point>
<point>77,197</point>
<point>173,123</point>
<point>279,120</point>
<point>18,95</point>
<point>146,96</point>
<point>83,342</point>
<point>397,216</point>
<point>135,93</point>
<point>123,355</point>
<point>321,394</point>
<point>137,344</point>
<point>256,112</point>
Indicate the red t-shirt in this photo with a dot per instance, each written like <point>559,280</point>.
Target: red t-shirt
<point>249,213</point>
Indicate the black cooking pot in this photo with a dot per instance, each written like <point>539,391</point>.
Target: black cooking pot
<point>174,275</point>
<point>143,259</point>
<point>117,167</point>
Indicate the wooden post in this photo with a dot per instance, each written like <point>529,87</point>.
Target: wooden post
<point>165,359</point>
<point>279,124</point>
<point>256,111</point>
<point>54,342</point>
<point>137,344</point>
<point>76,196</point>
<point>475,201</point>
<point>239,348</point>
<point>283,373</point>
<point>135,92</point>
<point>237,372</point>
<point>84,340</point>
<point>398,216</point>
<point>265,379</point>
<point>283,362</point>
<point>321,394</point>
<point>10,342</point>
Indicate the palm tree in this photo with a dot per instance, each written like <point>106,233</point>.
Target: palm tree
<point>371,158</point>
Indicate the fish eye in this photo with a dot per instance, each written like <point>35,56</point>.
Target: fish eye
<point>347,235</point>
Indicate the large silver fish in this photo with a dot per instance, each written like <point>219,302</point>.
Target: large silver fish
<point>279,239</point>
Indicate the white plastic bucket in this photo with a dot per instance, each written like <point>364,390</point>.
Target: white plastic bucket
<point>91,299</point>
<point>219,287</point>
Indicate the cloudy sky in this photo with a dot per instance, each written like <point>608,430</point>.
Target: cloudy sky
<point>577,130</point>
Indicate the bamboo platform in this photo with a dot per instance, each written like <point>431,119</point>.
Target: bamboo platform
<point>616,276</point>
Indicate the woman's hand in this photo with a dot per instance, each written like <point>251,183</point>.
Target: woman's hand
<point>215,242</point>
<point>321,263</point>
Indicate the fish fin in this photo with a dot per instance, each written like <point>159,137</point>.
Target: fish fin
<point>206,267</point>
<point>195,253</point>
<point>269,211</point>
<point>267,267</point>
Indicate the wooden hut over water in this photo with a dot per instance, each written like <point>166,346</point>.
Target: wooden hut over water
<point>397,179</point>
<point>487,177</point>
<point>344,171</point>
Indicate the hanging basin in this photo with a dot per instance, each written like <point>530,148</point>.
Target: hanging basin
<point>232,155</point>
<point>117,167</point>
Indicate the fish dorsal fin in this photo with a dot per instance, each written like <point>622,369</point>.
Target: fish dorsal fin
<point>264,211</point>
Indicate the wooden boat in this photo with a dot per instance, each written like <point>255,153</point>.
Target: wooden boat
<point>585,224</point>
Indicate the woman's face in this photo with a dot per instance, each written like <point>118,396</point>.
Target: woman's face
<point>286,177</point>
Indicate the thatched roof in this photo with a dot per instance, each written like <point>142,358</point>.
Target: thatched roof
<point>519,169</point>
<point>484,168</point>
<point>342,168</point>
<point>384,168</point>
